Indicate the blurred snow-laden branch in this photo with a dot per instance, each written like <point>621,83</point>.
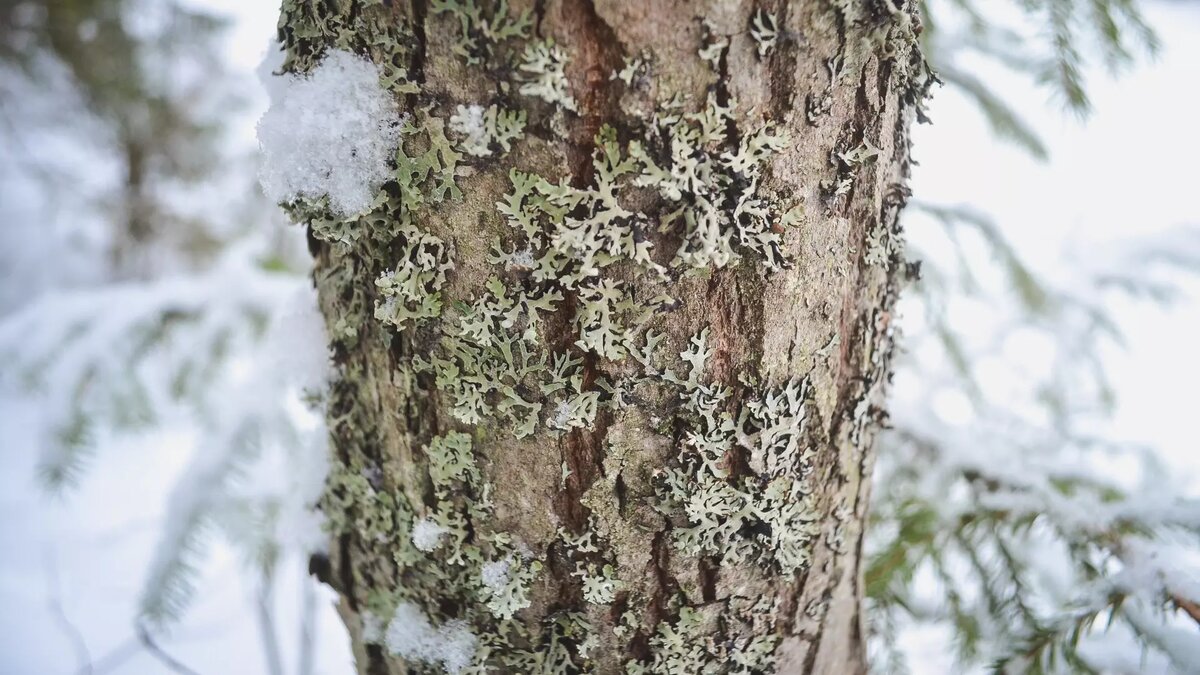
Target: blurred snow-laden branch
<point>149,285</point>
<point>1049,42</point>
<point>1004,514</point>
<point>126,353</point>
<point>1022,527</point>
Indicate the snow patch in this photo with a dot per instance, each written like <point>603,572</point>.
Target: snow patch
<point>329,133</point>
<point>495,574</point>
<point>372,628</point>
<point>562,416</point>
<point>522,259</point>
<point>468,121</point>
<point>411,636</point>
<point>427,535</point>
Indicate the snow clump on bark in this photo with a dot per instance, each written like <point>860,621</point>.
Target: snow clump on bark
<point>412,637</point>
<point>495,574</point>
<point>427,535</point>
<point>330,132</point>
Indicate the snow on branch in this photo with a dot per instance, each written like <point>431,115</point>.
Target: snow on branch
<point>238,351</point>
<point>1004,511</point>
<point>124,354</point>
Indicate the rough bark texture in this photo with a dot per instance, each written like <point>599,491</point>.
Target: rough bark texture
<point>842,79</point>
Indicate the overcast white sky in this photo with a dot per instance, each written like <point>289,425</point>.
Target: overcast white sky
<point>1130,170</point>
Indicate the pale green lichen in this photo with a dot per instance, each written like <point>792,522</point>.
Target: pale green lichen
<point>765,32</point>
<point>632,68</point>
<point>430,175</point>
<point>472,577</point>
<point>707,169</point>
<point>883,246</point>
<point>885,241</point>
<point>491,352</point>
<point>451,462</point>
<point>678,647</point>
<point>600,584</point>
<point>733,637</point>
<point>366,27</point>
<point>597,575</point>
<point>769,516</point>
<point>421,176</point>
<point>584,542</point>
<point>477,33</point>
<point>609,319</point>
<point>544,66</point>
<point>575,412</point>
<point>704,167</point>
<point>575,248</point>
<point>412,290</point>
<point>491,364</point>
<point>481,128</point>
<point>506,584</point>
<point>564,642</point>
<point>715,47</point>
<point>490,358</point>
<point>628,624</point>
<point>351,502</point>
<point>570,235</point>
<point>847,163</point>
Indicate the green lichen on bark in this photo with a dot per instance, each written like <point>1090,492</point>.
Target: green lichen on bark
<point>733,637</point>
<point>477,32</point>
<point>482,129</point>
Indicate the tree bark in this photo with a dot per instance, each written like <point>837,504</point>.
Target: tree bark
<point>684,489</point>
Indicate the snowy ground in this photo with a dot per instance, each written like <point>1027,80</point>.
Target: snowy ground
<point>70,569</point>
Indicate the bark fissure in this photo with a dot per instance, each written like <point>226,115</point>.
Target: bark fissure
<point>419,10</point>
<point>782,83</point>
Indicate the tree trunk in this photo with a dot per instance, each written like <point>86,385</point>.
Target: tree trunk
<point>608,383</point>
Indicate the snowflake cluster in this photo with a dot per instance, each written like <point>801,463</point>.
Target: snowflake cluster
<point>427,534</point>
<point>329,133</point>
<point>410,635</point>
<point>506,582</point>
<point>481,127</point>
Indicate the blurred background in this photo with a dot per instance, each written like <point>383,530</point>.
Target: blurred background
<point>1041,468</point>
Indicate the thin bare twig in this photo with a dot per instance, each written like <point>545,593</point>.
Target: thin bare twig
<point>308,633</point>
<point>1190,608</point>
<point>157,652</point>
<point>266,622</point>
<point>54,600</point>
<point>114,658</point>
